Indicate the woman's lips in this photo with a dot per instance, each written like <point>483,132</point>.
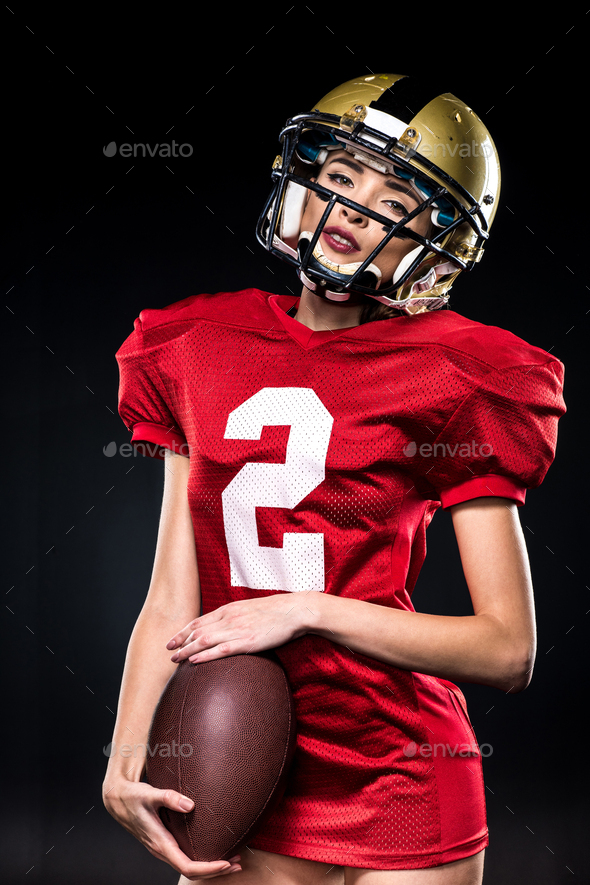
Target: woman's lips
<point>347,247</point>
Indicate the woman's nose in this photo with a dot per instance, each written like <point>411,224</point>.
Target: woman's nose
<point>352,216</point>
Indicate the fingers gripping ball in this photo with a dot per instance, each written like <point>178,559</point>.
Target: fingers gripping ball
<point>223,734</point>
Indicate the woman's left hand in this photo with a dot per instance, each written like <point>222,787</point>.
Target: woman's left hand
<point>240,627</point>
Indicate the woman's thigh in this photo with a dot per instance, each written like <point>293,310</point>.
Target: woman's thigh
<point>261,867</point>
<point>467,871</point>
<point>265,867</point>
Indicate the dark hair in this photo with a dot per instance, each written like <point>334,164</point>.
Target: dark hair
<point>373,310</point>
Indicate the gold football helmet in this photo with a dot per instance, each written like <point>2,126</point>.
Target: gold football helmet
<point>401,126</point>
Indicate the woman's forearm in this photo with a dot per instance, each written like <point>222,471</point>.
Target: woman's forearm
<point>474,648</point>
<point>147,670</point>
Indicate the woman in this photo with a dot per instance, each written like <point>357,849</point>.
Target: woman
<point>323,432</point>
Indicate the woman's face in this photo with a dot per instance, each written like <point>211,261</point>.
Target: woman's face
<point>349,236</point>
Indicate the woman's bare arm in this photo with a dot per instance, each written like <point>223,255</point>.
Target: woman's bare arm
<point>494,646</point>
<point>173,599</point>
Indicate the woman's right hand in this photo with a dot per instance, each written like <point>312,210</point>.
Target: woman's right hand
<point>135,806</point>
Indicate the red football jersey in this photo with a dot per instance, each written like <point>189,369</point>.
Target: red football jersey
<point>317,462</point>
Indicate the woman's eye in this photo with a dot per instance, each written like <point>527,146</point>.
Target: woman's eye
<point>397,208</point>
<point>340,179</point>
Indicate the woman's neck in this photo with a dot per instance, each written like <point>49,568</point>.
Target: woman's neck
<point>320,314</point>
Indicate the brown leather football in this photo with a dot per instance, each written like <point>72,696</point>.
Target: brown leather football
<point>223,733</point>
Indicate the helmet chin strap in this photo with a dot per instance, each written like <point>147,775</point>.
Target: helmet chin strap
<point>319,261</point>
<point>327,293</point>
<point>417,301</point>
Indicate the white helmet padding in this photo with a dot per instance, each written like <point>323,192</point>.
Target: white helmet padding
<point>293,205</point>
<point>405,263</point>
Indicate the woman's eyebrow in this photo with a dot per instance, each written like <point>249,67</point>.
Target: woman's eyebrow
<point>350,163</point>
<point>407,192</point>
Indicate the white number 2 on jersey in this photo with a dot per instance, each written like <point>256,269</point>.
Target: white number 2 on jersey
<point>299,564</point>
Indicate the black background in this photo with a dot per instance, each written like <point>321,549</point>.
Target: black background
<point>89,241</point>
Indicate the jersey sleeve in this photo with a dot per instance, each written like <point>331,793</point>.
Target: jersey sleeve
<point>146,401</point>
<point>500,440</point>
